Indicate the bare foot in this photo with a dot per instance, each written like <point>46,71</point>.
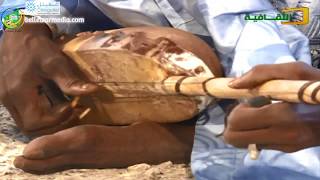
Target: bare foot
<point>92,146</point>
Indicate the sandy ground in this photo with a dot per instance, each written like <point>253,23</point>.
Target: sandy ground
<point>12,143</point>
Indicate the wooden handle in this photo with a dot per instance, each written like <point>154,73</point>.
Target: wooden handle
<point>286,90</point>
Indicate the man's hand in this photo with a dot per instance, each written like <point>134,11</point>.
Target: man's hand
<point>288,71</point>
<point>278,126</point>
<point>31,65</point>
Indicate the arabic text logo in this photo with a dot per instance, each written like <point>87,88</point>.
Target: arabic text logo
<point>303,12</point>
<point>12,19</point>
<point>292,16</point>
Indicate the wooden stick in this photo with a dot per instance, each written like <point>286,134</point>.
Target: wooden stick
<point>84,113</point>
<point>286,90</point>
<point>75,102</point>
<point>253,151</point>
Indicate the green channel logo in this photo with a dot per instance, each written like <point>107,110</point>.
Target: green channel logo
<point>12,19</point>
<point>286,16</point>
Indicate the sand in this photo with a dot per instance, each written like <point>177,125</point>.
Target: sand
<point>12,143</point>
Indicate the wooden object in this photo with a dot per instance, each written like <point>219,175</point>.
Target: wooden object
<point>155,80</point>
<point>131,68</point>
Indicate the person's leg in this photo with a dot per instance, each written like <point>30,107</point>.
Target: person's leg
<point>92,146</point>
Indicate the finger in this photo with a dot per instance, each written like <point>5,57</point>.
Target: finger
<point>263,73</point>
<point>50,165</point>
<point>53,116</point>
<point>71,121</point>
<point>61,162</point>
<point>243,139</point>
<point>257,76</point>
<point>66,141</point>
<point>45,147</point>
<point>65,73</point>
<point>243,118</point>
<point>32,108</point>
<point>36,116</point>
<point>26,103</point>
<point>282,147</point>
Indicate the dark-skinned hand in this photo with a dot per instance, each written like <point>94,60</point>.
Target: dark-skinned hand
<point>279,126</point>
<point>33,70</point>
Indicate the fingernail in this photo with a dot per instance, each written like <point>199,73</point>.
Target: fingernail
<point>233,83</point>
<point>230,83</point>
<point>84,86</point>
<point>88,86</point>
<point>18,162</point>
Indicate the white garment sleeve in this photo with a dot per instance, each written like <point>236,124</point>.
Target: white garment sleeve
<point>243,44</point>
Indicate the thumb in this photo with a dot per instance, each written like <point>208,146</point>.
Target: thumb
<point>67,76</point>
<point>263,73</point>
<point>257,76</point>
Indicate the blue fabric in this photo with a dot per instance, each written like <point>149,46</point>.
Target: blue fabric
<point>95,20</point>
<point>242,45</point>
<point>11,4</point>
<point>212,159</point>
